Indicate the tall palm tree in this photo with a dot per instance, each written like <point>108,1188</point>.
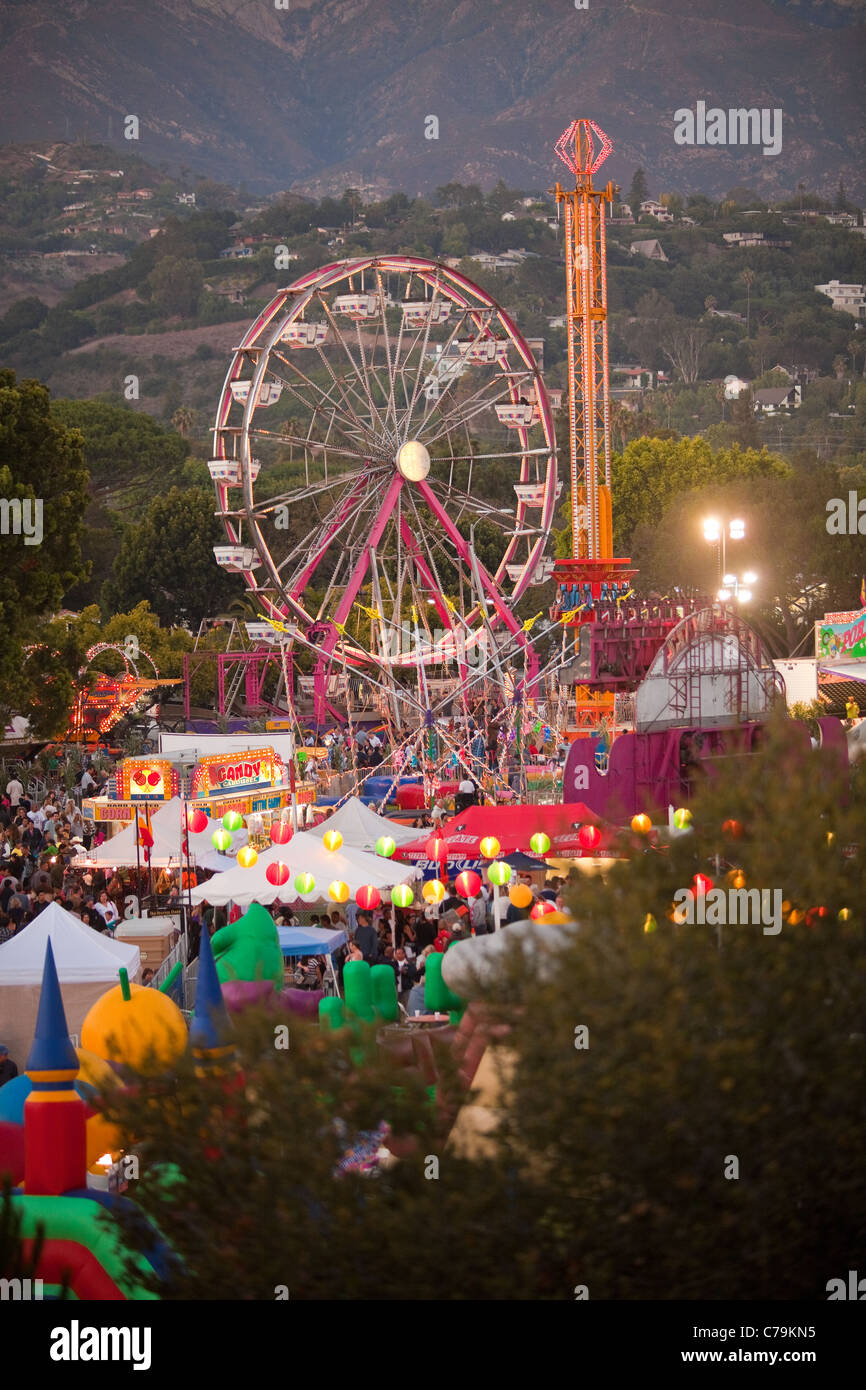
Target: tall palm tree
<point>748,279</point>
<point>183,419</point>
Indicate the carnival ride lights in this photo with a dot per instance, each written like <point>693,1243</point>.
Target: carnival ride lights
<point>592,574</point>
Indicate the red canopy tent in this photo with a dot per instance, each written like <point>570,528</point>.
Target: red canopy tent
<point>513,827</point>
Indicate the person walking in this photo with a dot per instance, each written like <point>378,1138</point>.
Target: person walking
<point>14,791</point>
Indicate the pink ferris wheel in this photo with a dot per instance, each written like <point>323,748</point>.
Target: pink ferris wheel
<point>385,468</point>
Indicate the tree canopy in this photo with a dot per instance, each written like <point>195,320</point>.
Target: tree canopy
<point>43,482</point>
<point>167,559</point>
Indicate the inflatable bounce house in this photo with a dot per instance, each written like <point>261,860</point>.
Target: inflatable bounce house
<point>60,1151</point>
<point>79,1251</point>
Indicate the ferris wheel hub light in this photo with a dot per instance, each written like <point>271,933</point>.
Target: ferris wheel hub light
<point>413,461</point>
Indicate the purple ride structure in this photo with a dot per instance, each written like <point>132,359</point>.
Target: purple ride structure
<point>361,419</point>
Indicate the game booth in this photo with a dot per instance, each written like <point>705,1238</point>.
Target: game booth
<point>252,782</point>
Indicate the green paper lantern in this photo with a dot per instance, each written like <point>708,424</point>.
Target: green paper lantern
<point>232,820</point>
<point>540,843</point>
<point>305,884</point>
<point>682,818</point>
<point>221,840</point>
<point>499,873</point>
<point>385,846</point>
<point>402,896</point>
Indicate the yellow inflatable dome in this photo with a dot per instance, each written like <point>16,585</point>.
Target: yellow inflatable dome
<point>146,1030</point>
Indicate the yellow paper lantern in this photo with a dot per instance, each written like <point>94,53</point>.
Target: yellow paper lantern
<point>247,857</point>
<point>433,891</point>
<point>338,891</point>
<point>332,840</point>
<point>649,923</point>
<point>641,824</point>
<point>489,847</point>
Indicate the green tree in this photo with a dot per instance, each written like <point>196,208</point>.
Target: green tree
<point>168,560</point>
<point>42,474</point>
<point>649,473</point>
<point>176,284</point>
<point>638,193</point>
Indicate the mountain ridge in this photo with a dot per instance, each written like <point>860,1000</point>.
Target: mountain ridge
<point>330,93</point>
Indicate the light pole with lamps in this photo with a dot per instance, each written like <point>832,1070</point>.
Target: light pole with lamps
<point>718,532</point>
<point>738,588</point>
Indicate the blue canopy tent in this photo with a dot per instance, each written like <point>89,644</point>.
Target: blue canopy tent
<point>310,941</point>
<point>313,941</point>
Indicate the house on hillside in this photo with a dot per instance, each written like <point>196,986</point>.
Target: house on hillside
<point>650,249</point>
<point>848,299</point>
<point>508,217</point>
<point>770,400</point>
<point>650,208</point>
<point>632,378</point>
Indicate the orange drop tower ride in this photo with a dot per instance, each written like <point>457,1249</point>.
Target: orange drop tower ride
<point>592,578</point>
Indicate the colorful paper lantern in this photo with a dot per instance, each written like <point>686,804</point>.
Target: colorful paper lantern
<point>436,849</point>
<point>499,872</point>
<point>540,843</point>
<point>650,924</point>
<point>543,908</point>
<point>433,891</point>
<point>332,840</point>
<point>641,823</point>
<point>733,828</point>
<point>520,895</point>
<point>338,891</point>
<point>682,818</point>
<point>232,820</point>
<point>844,914</point>
<point>247,857</point>
<point>281,832</point>
<point>702,883</point>
<point>221,840</point>
<point>385,846</point>
<point>198,822</point>
<point>402,895</point>
<point>305,884</point>
<point>589,837</point>
<point>368,897</point>
<point>468,884</point>
<point>490,847</point>
<point>277,873</point>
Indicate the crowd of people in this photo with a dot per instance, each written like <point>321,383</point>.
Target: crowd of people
<point>40,841</point>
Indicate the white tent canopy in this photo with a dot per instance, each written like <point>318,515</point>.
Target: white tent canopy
<point>166,827</point>
<point>361,827</point>
<point>80,953</point>
<point>87,965</point>
<point>304,854</point>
